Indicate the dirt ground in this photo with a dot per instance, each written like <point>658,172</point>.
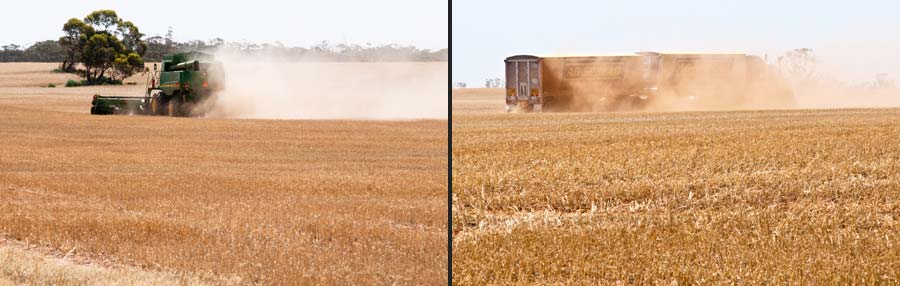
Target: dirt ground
<point>742,198</point>
<point>226,201</point>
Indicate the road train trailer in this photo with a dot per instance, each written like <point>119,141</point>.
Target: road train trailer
<point>634,81</point>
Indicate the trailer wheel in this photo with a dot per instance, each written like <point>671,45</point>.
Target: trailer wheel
<point>523,106</point>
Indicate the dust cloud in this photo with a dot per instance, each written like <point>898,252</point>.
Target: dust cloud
<point>271,88</point>
<point>845,80</point>
<point>832,93</point>
<point>797,79</point>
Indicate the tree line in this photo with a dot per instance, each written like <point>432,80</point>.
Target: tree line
<point>103,48</point>
<point>44,51</point>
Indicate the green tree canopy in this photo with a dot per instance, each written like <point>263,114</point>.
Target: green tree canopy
<point>108,47</point>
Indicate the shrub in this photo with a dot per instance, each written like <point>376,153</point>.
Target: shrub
<point>102,81</point>
<point>72,83</point>
<point>51,85</point>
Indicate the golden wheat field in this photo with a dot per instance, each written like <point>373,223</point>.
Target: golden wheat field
<point>127,199</point>
<point>803,197</point>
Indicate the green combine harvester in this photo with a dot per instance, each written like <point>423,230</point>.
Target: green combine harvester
<point>185,81</point>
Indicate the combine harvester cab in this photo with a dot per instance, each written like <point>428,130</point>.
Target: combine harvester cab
<point>645,80</point>
<point>184,82</point>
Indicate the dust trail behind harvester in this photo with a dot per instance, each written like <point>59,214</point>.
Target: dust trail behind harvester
<point>269,87</point>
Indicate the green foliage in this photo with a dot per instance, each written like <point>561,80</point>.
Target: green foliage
<point>44,51</point>
<point>98,81</point>
<point>72,42</point>
<point>11,53</point>
<point>102,19</point>
<point>325,52</point>
<point>102,81</point>
<point>70,48</point>
<point>108,48</point>
<point>51,85</point>
<point>126,65</point>
<point>156,47</point>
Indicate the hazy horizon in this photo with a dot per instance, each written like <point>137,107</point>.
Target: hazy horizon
<point>422,24</point>
<point>852,40</point>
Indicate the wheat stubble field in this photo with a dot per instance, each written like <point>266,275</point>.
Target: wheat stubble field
<point>212,201</point>
<point>803,197</point>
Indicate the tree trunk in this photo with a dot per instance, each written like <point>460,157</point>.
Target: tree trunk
<point>102,71</point>
<point>89,73</point>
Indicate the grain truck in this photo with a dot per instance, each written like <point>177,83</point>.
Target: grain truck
<point>642,80</point>
<point>183,81</point>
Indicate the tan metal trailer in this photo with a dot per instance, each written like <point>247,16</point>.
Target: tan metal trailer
<point>642,80</point>
<point>573,83</point>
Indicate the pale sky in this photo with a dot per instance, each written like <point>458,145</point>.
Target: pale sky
<point>854,38</point>
<point>422,23</point>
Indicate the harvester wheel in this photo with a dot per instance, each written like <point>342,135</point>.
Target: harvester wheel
<point>187,109</point>
<point>175,106</point>
<point>172,108</point>
<point>157,103</point>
